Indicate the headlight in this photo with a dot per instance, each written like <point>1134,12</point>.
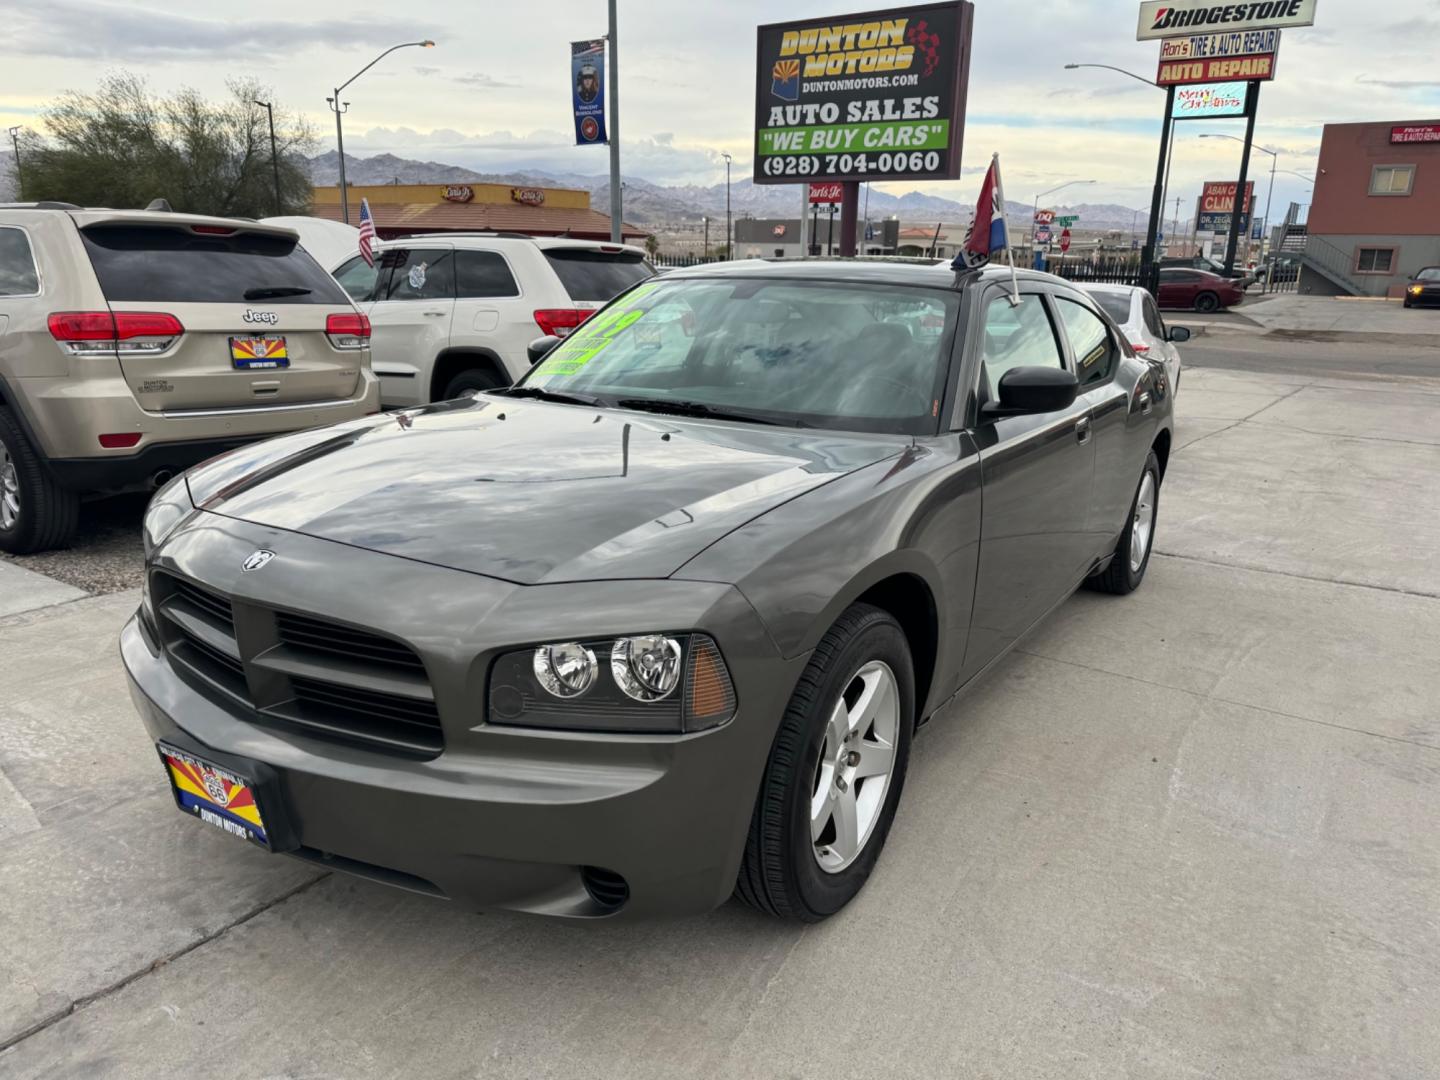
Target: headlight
<point>652,682</point>
<point>168,508</point>
<point>1416,290</point>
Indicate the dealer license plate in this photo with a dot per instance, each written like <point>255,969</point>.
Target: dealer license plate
<point>259,352</point>
<point>216,796</point>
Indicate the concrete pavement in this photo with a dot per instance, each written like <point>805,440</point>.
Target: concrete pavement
<point>1191,832</point>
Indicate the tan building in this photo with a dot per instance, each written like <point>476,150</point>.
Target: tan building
<point>407,209</point>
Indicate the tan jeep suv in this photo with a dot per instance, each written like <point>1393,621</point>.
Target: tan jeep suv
<point>135,343</point>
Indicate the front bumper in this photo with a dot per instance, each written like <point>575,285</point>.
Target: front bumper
<point>504,817</point>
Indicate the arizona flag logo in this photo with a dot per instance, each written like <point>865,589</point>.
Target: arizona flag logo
<point>785,80</point>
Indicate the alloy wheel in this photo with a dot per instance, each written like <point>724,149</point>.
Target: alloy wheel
<point>857,757</point>
<point>1142,524</point>
<point>9,490</point>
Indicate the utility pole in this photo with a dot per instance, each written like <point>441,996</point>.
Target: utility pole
<point>274,158</point>
<point>1175,228</point>
<point>705,251</point>
<point>15,142</point>
<point>617,200</point>
<point>1252,101</point>
<point>1157,208</point>
<point>727,202</point>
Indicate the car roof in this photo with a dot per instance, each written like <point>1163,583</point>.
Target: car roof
<point>85,217</point>
<point>871,271</point>
<point>544,243</point>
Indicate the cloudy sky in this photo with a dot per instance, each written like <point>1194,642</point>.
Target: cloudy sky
<point>494,94</point>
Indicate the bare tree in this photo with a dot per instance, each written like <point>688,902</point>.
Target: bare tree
<point>122,147</point>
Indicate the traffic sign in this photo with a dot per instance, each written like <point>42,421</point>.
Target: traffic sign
<point>1065,240</point>
<point>1066,220</point>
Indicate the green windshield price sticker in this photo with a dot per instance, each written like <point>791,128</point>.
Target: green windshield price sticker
<point>592,336</point>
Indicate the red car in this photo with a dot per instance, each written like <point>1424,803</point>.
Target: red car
<point>1197,289</point>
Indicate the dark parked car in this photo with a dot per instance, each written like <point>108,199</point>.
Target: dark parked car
<point>1197,290</point>
<point>1424,288</point>
<point>657,624</point>
<point>1241,275</point>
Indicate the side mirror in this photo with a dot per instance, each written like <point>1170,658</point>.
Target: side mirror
<point>537,349</point>
<point>1177,333</point>
<point>1026,390</point>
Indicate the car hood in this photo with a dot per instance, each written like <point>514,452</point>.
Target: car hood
<point>527,491</point>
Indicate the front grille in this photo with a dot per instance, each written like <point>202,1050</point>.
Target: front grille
<point>327,679</point>
<point>304,632</point>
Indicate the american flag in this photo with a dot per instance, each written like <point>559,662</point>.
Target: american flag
<point>367,233</point>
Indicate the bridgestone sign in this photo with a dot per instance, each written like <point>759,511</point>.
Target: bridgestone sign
<point>1182,18</point>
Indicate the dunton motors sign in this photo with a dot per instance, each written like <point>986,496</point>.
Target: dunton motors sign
<point>1182,18</point>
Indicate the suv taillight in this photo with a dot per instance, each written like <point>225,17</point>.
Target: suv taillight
<point>134,333</point>
<point>348,331</point>
<point>557,322</point>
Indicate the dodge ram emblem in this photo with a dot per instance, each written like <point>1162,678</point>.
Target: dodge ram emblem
<point>256,560</point>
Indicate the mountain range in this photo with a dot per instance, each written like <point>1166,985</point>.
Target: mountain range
<point>652,204</point>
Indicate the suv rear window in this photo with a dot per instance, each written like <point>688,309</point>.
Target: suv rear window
<point>176,266</point>
<point>596,275</point>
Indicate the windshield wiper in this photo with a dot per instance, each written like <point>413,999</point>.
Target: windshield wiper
<point>270,292</point>
<point>698,408</point>
<point>542,394</point>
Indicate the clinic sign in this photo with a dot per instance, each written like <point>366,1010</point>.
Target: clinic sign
<point>1217,206</point>
<point>1182,18</point>
<point>872,96</point>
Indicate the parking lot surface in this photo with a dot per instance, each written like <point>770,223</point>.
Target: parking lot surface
<point>1191,832</point>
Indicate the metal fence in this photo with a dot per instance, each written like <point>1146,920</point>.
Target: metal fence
<point>1100,271</point>
<point>669,262</point>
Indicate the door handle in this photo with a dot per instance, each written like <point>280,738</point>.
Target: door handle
<point>1082,430</point>
<point>437,314</point>
<point>1144,400</point>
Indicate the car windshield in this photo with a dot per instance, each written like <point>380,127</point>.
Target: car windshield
<point>1430,273</point>
<point>1116,305</point>
<point>855,357</point>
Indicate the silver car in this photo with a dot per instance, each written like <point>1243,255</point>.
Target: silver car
<point>1135,312</point>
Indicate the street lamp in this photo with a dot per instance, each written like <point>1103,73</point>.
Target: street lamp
<point>1122,71</point>
<point>1274,158</point>
<point>274,160</point>
<point>339,107</point>
<point>1052,191</point>
<point>727,204</point>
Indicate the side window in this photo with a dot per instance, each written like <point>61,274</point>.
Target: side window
<point>18,276</point>
<point>1152,316</point>
<point>481,274</point>
<point>357,278</point>
<point>1018,337</point>
<point>421,274</point>
<point>1089,341</point>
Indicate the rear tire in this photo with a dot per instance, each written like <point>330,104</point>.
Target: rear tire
<point>1132,554</point>
<point>1207,302</point>
<point>852,713</point>
<point>36,514</point>
<point>472,379</point>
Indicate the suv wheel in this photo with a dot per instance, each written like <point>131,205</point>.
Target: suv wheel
<point>472,379</point>
<point>36,514</point>
<point>835,772</point>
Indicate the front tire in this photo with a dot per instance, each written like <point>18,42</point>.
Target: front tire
<point>36,514</point>
<point>473,379</point>
<point>1207,302</point>
<point>1132,554</point>
<point>835,773</point>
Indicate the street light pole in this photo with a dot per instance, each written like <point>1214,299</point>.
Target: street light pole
<point>1036,211</point>
<point>339,107</point>
<point>1270,194</point>
<point>617,195</point>
<point>274,159</point>
<point>727,205</point>
<point>15,142</point>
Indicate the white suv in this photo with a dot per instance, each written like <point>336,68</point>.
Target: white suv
<point>452,312</point>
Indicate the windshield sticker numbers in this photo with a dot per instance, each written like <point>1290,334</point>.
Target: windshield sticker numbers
<point>591,337</point>
<point>417,276</point>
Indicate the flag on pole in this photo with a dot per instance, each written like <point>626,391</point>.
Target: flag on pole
<point>367,233</point>
<point>987,234</point>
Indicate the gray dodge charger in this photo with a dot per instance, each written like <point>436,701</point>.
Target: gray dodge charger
<point>657,625</point>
